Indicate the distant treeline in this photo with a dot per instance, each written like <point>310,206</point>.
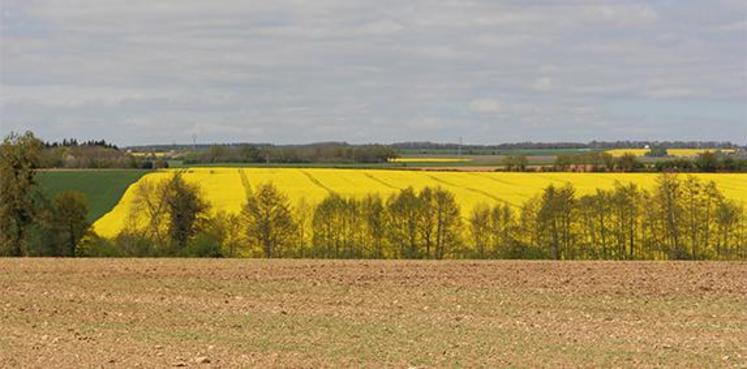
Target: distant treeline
<point>661,144</point>
<point>73,142</point>
<point>426,145</point>
<point>331,152</point>
<point>71,153</point>
<point>97,154</point>
<point>598,161</point>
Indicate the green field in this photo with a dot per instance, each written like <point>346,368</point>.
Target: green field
<point>103,188</point>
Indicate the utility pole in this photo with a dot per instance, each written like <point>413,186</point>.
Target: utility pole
<point>194,142</point>
<point>460,146</point>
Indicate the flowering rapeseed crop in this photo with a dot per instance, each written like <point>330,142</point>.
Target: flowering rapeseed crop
<point>225,189</point>
<point>670,152</point>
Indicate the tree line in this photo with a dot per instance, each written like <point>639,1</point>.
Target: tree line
<point>679,219</point>
<point>331,152</point>
<point>597,161</point>
<point>97,154</point>
<point>95,157</point>
<point>71,153</point>
<point>599,145</point>
<point>74,142</point>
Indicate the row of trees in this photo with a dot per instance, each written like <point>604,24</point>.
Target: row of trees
<point>706,162</point>
<point>171,218</point>
<point>425,147</point>
<point>90,156</point>
<point>96,154</point>
<point>598,161</point>
<point>332,152</point>
<point>678,219</point>
<point>73,142</point>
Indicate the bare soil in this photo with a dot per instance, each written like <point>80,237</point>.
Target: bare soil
<point>157,313</point>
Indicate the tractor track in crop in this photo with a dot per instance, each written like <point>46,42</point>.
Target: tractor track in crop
<point>315,181</point>
<point>381,182</point>
<point>245,182</point>
<point>471,189</point>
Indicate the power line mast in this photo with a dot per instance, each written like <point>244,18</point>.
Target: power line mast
<point>194,142</point>
<point>459,150</point>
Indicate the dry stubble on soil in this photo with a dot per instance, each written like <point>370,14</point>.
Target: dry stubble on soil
<point>303,313</point>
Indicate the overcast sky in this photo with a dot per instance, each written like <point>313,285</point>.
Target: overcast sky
<point>150,71</point>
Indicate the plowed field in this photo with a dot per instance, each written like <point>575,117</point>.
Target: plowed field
<point>129,313</point>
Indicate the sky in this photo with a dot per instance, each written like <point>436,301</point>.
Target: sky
<point>147,71</point>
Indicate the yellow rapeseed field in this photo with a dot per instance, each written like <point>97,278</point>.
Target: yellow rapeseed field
<point>225,189</point>
<point>620,152</point>
<point>693,152</point>
<point>671,152</point>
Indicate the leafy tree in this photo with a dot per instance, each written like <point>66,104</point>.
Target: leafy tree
<point>628,163</point>
<point>403,210</point>
<point>555,217</point>
<point>337,227</point>
<point>480,230</point>
<point>268,221</point>
<point>373,212</point>
<point>225,229</point>
<point>448,226</point>
<point>19,157</point>
<point>707,162</point>
<point>727,218</point>
<point>596,211</point>
<point>70,211</point>
<point>563,162</point>
<point>426,222</point>
<point>186,210</point>
<point>530,230</point>
<point>149,217</point>
<point>667,197</point>
<point>304,217</point>
<point>624,202</point>
<point>168,212</point>
<point>517,163</point>
<point>607,162</point>
<point>503,225</point>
